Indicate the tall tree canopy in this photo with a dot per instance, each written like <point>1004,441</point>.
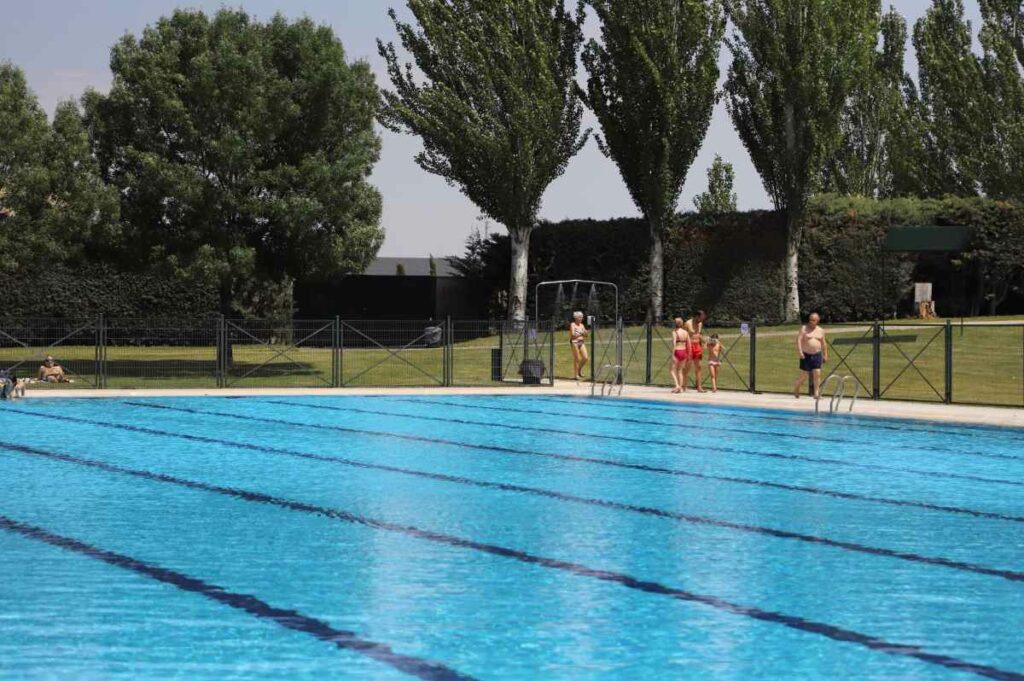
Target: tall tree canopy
<point>880,151</point>
<point>794,65</point>
<point>651,83</point>
<point>1002,39</point>
<point>953,100</point>
<point>241,149</point>
<point>496,109</point>
<point>54,208</point>
<point>719,198</point>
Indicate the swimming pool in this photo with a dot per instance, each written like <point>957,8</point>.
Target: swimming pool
<point>503,538</point>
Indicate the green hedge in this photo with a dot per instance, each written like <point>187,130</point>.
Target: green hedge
<point>90,291</point>
<point>732,264</point>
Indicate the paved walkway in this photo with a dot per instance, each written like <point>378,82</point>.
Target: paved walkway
<point>995,416</point>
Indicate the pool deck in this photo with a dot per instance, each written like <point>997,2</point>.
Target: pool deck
<point>991,416</point>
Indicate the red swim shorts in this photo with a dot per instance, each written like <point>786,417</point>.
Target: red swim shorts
<point>696,351</point>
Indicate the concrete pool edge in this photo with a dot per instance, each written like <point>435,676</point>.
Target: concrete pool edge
<point>918,411</point>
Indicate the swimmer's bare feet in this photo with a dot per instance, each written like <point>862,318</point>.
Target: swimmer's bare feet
<point>675,390</point>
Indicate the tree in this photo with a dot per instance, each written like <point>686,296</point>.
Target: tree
<point>496,110</point>
<point>719,198</point>
<point>880,151</point>
<point>433,265</point>
<point>241,150</point>
<point>954,105</point>
<point>54,205</point>
<point>24,176</point>
<point>399,270</point>
<point>652,86</point>
<point>794,65</point>
<point>1002,39</point>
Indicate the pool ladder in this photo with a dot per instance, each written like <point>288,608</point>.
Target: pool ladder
<point>609,376</point>
<point>836,400</point>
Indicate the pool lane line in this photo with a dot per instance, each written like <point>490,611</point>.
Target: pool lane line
<point>740,412</point>
<point>833,632</point>
<point>1011,575</point>
<point>289,619</point>
<point>644,441</point>
<point>828,440</point>
<point>680,472</point>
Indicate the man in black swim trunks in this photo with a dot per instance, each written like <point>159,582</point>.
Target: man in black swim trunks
<point>813,349</point>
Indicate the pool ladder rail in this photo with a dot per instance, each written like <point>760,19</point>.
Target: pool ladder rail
<point>835,401</point>
<point>609,376</point>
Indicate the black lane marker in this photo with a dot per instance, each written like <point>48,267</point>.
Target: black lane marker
<point>791,621</point>
<point>289,619</point>
<point>740,412</point>
<point>602,462</point>
<point>636,440</point>
<point>1011,575</point>
<point>831,440</point>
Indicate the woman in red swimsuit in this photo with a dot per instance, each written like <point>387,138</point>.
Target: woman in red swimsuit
<point>680,355</point>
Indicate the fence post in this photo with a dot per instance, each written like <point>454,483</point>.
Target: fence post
<point>221,351</point>
<point>99,351</point>
<point>949,362</point>
<point>551,354</point>
<point>446,355</point>
<point>502,330</point>
<point>753,357</point>
<point>336,354</point>
<point>341,354</point>
<point>593,348</point>
<point>876,360</point>
<point>648,366</point>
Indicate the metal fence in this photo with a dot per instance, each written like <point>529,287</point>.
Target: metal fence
<point>980,363</point>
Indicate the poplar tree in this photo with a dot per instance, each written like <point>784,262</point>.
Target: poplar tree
<point>719,198</point>
<point>494,102</point>
<point>1002,39</point>
<point>651,83</point>
<point>794,65</point>
<point>953,102</point>
<point>881,135</point>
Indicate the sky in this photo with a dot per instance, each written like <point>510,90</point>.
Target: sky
<point>64,47</point>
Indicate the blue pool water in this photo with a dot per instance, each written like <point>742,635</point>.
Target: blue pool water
<point>503,538</point>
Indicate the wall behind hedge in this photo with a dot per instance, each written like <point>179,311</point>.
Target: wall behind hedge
<point>89,291</point>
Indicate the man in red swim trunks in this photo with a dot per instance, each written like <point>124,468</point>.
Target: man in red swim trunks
<point>695,328</point>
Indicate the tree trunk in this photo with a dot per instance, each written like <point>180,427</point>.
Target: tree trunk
<point>520,239</point>
<point>791,311</point>
<point>657,274</point>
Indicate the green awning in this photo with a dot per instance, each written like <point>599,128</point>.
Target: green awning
<point>927,238</point>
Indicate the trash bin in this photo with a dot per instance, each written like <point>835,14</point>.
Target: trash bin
<point>532,371</point>
<point>496,365</point>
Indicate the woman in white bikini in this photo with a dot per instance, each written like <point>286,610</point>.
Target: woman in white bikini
<point>578,344</point>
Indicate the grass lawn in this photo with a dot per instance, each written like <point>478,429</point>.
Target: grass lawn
<point>988,361</point>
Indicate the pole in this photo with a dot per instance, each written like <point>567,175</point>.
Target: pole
<point>753,357</point>
<point>447,354</point>
<point>876,361</point>
<point>949,362</point>
<point>648,366</point>
<point>551,353</point>
<point>593,348</point>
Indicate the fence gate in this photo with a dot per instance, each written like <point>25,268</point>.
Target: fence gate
<point>853,352</point>
<point>77,345</point>
<point>264,353</point>
<point>393,353</point>
<point>912,362</point>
